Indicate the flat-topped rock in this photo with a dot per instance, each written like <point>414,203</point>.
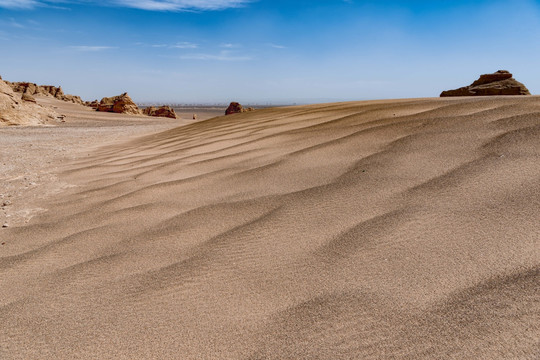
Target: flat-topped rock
<point>498,83</point>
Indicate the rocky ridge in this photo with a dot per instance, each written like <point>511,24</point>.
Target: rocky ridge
<point>22,109</point>
<point>31,89</point>
<point>498,83</point>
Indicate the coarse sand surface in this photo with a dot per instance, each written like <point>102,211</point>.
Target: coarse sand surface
<point>392,229</point>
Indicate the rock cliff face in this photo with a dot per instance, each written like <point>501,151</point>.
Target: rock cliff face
<point>163,111</point>
<point>45,90</point>
<point>121,104</point>
<point>21,109</point>
<point>499,83</point>
<point>235,108</point>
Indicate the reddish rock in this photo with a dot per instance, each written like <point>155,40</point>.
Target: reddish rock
<point>235,108</point>
<point>121,104</point>
<point>499,83</point>
<point>93,104</point>
<point>162,111</point>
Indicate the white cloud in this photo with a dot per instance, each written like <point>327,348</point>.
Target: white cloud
<point>222,56</point>
<point>91,48</point>
<point>230,46</point>
<point>185,45</point>
<point>18,4</point>
<point>154,5</point>
<point>175,5</point>
<point>276,46</point>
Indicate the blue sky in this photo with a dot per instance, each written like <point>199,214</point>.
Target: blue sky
<point>266,51</point>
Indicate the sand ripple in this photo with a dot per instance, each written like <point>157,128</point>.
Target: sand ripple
<point>388,229</point>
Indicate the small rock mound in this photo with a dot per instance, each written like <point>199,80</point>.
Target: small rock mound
<point>499,83</point>
<point>162,111</point>
<point>121,104</point>
<point>235,108</point>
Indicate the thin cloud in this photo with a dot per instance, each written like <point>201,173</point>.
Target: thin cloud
<point>18,4</point>
<point>179,5</point>
<point>230,46</point>
<point>11,22</point>
<point>152,5</point>
<point>276,46</point>
<point>91,48</point>
<point>185,45</point>
<point>222,56</point>
<point>14,23</point>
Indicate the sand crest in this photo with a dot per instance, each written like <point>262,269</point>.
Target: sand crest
<point>386,229</point>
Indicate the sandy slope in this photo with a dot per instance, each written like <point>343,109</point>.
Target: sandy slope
<point>388,229</point>
<point>30,156</point>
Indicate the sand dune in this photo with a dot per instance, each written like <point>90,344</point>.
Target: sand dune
<point>386,229</point>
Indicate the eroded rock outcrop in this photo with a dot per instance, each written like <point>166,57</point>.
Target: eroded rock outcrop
<point>45,90</point>
<point>499,83</point>
<point>29,98</point>
<point>235,108</point>
<point>162,111</point>
<point>93,104</point>
<point>121,104</point>
<point>21,109</point>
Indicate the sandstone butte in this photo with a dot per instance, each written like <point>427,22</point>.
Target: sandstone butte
<point>235,108</point>
<point>162,111</point>
<point>121,104</point>
<point>498,83</point>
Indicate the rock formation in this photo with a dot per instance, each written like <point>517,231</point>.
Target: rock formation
<point>499,83</point>
<point>28,97</point>
<point>163,111</point>
<point>235,108</point>
<point>121,104</point>
<point>45,90</point>
<point>21,109</point>
<point>93,104</point>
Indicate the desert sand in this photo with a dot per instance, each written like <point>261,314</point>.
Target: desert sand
<point>395,229</point>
